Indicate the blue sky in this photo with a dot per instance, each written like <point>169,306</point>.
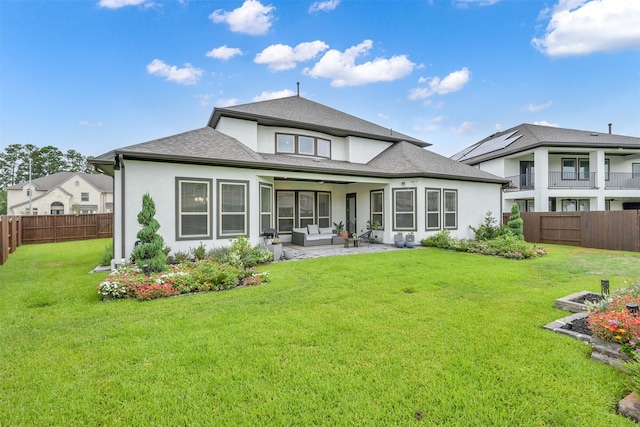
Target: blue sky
<point>94,75</point>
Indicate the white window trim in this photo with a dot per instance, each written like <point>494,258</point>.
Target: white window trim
<point>221,214</point>
<point>445,212</point>
<point>180,214</point>
<point>372,212</point>
<point>428,212</point>
<point>271,204</point>
<point>412,190</point>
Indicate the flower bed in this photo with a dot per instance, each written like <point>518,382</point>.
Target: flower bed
<point>611,321</point>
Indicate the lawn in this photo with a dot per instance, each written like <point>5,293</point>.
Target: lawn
<point>410,337</point>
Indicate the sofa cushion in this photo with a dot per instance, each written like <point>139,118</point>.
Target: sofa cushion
<point>313,229</point>
<point>299,230</point>
<point>326,230</point>
<point>317,237</point>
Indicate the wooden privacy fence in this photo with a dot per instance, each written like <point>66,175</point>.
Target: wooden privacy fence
<point>10,236</point>
<point>17,230</point>
<point>613,230</point>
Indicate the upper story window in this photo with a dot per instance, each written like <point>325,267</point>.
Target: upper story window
<point>304,145</point>
<point>84,197</point>
<point>635,170</point>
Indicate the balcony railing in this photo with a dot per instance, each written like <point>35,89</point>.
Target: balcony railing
<point>522,182</point>
<point>622,180</point>
<point>572,180</point>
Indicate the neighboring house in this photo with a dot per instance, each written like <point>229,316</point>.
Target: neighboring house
<point>561,170</point>
<point>62,193</point>
<point>287,163</point>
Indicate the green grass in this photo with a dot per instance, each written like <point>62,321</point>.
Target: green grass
<point>353,340</point>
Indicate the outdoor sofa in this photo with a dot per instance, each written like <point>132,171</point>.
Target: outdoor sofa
<point>312,235</point>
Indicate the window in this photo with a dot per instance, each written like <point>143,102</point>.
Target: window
<point>568,205</point>
<point>266,207</point>
<point>28,192</point>
<point>584,205</point>
<point>450,208</point>
<point>84,197</point>
<point>635,170</point>
<point>306,208</point>
<point>301,208</point>
<point>286,210</point>
<point>568,169</point>
<point>232,208</point>
<point>56,208</point>
<point>606,169</point>
<point>285,143</point>
<point>305,145</point>
<point>583,169</point>
<point>77,183</point>
<point>193,216</point>
<point>324,209</point>
<point>433,208</point>
<point>377,207</point>
<point>573,205</point>
<point>404,209</point>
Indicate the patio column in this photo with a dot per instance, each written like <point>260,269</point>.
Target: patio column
<point>541,171</point>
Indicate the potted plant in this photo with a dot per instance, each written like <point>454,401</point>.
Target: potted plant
<point>399,240</point>
<point>340,229</point>
<point>410,240</point>
<point>275,247</point>
<point>376,234</point>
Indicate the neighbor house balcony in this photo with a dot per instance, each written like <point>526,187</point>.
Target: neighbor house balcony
<point>613,181</point>
<point>572,180</point>
<point>622,181</point>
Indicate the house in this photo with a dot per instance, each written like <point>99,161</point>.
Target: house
<point>62,193</point>
<point>561,170</point>
<point>289,163</point>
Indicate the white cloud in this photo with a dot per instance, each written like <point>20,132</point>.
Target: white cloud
<point>465,3</point>
<point>465,127</point>
<point>228,102</point>
<point>498,127</point>
<point>281,57</point>
<point>341,68</point>
<point>451,83</point>
<point>116,4</point>
<point>186,76</point>
<point>439,118</point>
<point>580,27</point>
<point>426,128</point>
<point>324,6</point>
<point>224,53</point>
<point>546,123</point>
<point>532,108</point>
<point>265,96</point>
<point>88,123</point>
<point>251,18</point>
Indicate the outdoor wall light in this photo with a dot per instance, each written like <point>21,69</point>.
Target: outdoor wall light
<point>632,308</point>
<point>604,287</point>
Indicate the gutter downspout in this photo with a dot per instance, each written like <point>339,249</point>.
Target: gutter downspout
<point>120,163</point>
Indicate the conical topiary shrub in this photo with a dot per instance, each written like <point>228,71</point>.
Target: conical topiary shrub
<point>148,253</point>
<point>515,225</point>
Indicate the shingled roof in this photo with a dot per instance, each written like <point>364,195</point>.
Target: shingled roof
<point>101,182</point>
<point>527,136</point>
<point>406,157</point>
<point>301,113</point>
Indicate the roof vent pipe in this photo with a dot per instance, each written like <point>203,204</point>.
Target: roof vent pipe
<point>298,85</point>
<point>610,124</point>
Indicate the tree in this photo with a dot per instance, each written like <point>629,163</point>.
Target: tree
<point>148,253</point>
<point>515,225</point>
<point>3,202</point>
<point>47,161</point>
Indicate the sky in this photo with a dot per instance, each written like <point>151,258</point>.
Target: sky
<point>95,75</point>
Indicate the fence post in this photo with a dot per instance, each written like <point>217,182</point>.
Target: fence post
<point>14,234</point>
<point>4,239</point>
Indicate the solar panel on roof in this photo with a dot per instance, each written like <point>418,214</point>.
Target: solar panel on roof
<point>491,145</point>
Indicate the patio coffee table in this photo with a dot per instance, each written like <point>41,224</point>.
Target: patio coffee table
<point>350,239</point>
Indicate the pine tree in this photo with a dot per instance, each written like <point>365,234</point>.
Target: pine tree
<point>148,253</point>
<point>515,225</point>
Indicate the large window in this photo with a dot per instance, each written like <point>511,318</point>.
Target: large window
<point>583,169</point>
<point>433,208</point>
<point>635,170</point>
<point>306,208</point>
<point>568,169</point>
<point>266,207</point>
<point>404,209</point>
<point>301,208</point>
<point>301,144</point>
<point>377,208</point>
<point>193,216</point>
<point>233,205</point>
<point>324,210</point>
<point>286,210</point>
<point>84,197</point>
<point>450,208</point>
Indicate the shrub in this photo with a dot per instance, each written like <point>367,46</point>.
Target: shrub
<point>180,257</point>
<point>506,245</point>
<point>515,225</point>
<point>490,229</point>
<point>107,255</point>
<point>148,291</point>
<point>149,251</point>
<point>199,253</point>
